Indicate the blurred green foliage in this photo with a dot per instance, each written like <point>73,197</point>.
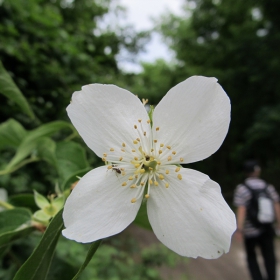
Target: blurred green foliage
<point>117,259</point>
<point>52,48</point>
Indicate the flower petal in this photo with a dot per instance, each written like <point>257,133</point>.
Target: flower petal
<point>191,217</point>
<point>193,118</point>
<point>105,115</point>
<point>99,206</point>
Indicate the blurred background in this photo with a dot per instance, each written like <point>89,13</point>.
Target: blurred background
<point>51,48</point>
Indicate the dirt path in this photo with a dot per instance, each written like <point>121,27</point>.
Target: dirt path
<point>231,266</point>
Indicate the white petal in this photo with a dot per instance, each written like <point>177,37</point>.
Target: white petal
<point>191,217</point>
<point>105,115</point>
<point>193,118</point>
<point>99,206</point>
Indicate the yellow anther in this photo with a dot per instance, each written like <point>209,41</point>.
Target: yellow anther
<point>110,167</point>
<point>159,163</point>
<point>135,158</point>
<point>166,185</point>
<point>161,145</point>
<point>166,171</point>
<point>168,147</point>
<point>142,184</point>
<point>124,184</point>
<point>103,159</point>
<point>181,159</point>
<point>161,177</point>
<point>152,158</point>
<point>121,158</point>
<point>148,121</point>
<point>133,151</point>
<point>135,126</point>
<point>155,141</point>
<point>145,133</point>
<point>123,173</point>
<point>169,158</point>
<point>138,139</point>
<point>122,169</point>
<point>142,171</point>
<point>130,178</point>
<point>147,196</point>
<point>135,176</point>
<point>123,150</point>
<point>123,144</point>
<point>157,129</point>
<point>179,176</point>
<point>133,200</point>
<point>133,186</point>
<point>151,168</point>
<point>150,182</point>
<point>112,150</point>
<point>139,120</point>
<point>135,142</point>
<point>144,101</point>
<point>152,150</point>
<point>156,183</point>
<point>104,155</point>
<point>174,153</point>
<point>160,151</point>
<point>177,169</point>
<point>137,165</point>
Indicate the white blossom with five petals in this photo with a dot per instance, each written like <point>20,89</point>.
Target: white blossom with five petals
<point>185,208</point>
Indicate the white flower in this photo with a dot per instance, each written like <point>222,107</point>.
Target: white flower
<point>185,207</point>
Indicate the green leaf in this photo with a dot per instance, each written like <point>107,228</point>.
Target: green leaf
<point>92,249</point>
<point>11,91</point>
<point>58,202</point>
<point>142,217</point>
<point>10,236</point>
<point>46,150</point>
<point>11,134</point>
<point>40,200</point>
<point>66,184</point>
<point>13,219</point>
<point>49,129</point>
<point>38,264</point>
<point>23,200</point>
<point>71,157</point>
<point>34,139</point>
<point>14,224</point>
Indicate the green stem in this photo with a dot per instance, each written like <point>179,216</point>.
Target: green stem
<point>71,136</point>
<point>6,205</point>
<point>27,161</point>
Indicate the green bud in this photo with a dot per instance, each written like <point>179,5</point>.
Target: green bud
<point>150,114</point>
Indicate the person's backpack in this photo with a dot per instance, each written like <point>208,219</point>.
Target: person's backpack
<point>260,210</point>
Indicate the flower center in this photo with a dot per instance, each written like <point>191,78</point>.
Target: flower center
<point>144,163</point>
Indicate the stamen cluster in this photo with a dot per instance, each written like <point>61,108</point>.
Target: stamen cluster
<point>148,164</point>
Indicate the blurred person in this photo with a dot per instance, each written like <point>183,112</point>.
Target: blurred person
<point>253,232</point>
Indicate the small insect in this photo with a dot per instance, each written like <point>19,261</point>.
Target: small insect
<point>117,170</point>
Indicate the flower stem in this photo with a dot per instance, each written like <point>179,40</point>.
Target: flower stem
<point>6,205</point>
<point>71,136</point>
